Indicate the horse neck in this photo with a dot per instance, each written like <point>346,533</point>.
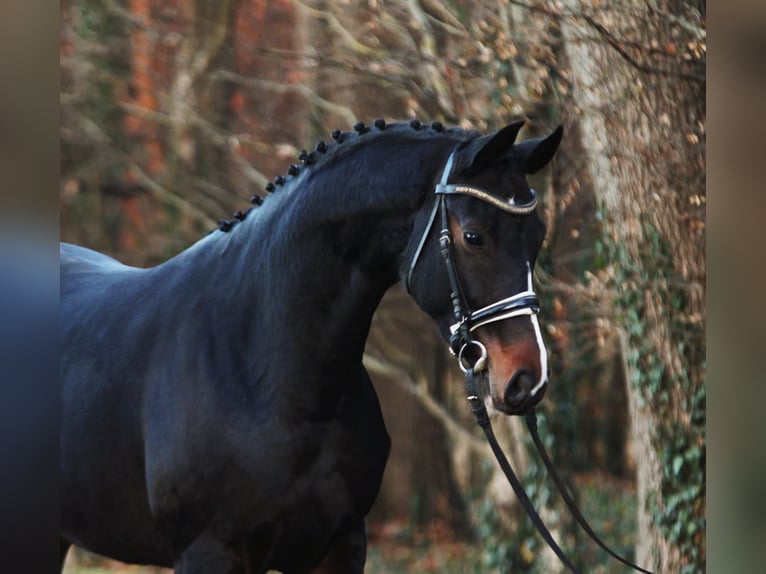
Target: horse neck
<point>304,273</point>
<point>343,231</point>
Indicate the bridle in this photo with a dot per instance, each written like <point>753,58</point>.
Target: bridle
<point>467,320</point>
<point>461,339</point>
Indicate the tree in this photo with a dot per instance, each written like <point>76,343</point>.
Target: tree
<point>638,79</point>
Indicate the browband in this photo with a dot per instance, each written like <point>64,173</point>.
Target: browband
<point>502,203</point>
<point>443,188</point>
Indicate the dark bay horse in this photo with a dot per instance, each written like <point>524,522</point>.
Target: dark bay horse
<point>216,416</point>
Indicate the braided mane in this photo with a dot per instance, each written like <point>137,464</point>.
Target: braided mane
<point>327,151</point>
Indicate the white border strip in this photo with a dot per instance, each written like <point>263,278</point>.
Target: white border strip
<point>540,343</point>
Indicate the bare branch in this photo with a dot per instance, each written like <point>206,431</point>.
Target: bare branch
<point>418,389</point>
<point>446,19</point>
<point>311,96</point>
<point>617,45</point>
<point>339,29</point>
<point>115,9</point>
<point>164,193</point>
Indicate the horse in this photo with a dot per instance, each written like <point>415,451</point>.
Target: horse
<point>216,416</point>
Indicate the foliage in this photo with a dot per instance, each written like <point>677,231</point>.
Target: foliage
<point>678,509</point>
<point>609,505</point>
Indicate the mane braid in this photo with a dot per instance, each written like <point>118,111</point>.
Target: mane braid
<point>324,152</point>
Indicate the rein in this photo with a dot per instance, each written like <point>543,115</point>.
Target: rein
<point>461,339</point>
<point>482,418</point>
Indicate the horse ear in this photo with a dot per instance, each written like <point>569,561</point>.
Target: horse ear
<point>483,151</point>
<point>536,153</point>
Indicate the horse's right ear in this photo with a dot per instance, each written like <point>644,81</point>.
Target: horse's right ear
<point>536,153</point>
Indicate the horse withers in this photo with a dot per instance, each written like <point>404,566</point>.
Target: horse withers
<point>216,416</point>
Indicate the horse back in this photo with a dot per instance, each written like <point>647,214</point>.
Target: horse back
<point>75,255</point>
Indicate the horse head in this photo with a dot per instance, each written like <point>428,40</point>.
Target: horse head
<point>471,258</point>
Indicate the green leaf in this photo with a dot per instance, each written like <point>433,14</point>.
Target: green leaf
<point>678,462</point>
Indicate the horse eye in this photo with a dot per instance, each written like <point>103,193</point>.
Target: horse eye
<point>472,238</point>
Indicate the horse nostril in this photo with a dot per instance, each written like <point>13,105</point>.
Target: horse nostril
<point>517,391</point>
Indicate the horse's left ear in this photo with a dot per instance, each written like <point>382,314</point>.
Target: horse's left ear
<point>535,154</point>
<point>484,151</point>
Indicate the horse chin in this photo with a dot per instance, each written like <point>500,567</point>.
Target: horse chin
<point>494,405</point>
<point>498,409</point>
<point>501,408</point>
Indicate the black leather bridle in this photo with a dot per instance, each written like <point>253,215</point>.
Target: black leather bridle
<point>467,320</point>
<point>461,339</point>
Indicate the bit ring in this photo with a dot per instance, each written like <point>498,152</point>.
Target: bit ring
<point>480,363</point>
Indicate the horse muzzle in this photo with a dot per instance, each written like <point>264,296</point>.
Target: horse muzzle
<point>516,374</point>
<point>521,393</point>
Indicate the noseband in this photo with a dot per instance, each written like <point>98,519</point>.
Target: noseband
<point>467,320</point>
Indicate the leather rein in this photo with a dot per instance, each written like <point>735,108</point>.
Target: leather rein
<point>461,339</point>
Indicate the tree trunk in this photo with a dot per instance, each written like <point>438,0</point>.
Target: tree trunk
<point>638,85</point>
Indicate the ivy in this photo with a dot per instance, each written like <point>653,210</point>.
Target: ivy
<point>678,508</point>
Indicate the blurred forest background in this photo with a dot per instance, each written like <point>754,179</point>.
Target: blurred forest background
<point>174,113</point>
